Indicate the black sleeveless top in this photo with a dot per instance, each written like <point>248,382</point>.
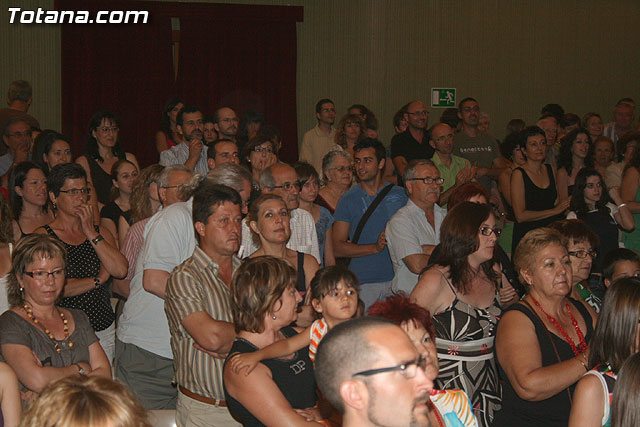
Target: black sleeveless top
<point>101,180</point>
<point>535,199</point>
<point>604,225</point>
<point>294,378</point>
<point>83,262</point>
<point>555,410</point>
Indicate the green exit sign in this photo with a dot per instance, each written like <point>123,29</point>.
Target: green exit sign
<point>443,97</point>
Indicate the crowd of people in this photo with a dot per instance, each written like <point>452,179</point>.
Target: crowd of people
<point>450,279</point>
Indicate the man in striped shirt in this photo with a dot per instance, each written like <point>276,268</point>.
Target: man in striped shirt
<point>198,307</point>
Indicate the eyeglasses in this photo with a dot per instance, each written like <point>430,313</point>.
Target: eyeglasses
<point>76,191</point>
<point>289,185</point>
<point>266,150</point>
<point>342,169</point>
<point>583,254</point>
<point>408,369</point>
<point>41,275</point>
<point>470,109</point>
<point>106,129</point>
<point>418,113</point>
<point>20,134</point>
<point>444,138</point>
<point>592,185</point>
<point>428,180</point>
<point>486,231</point>
<point>328,110</point>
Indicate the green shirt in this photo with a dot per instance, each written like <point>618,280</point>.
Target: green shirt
<point>449,173</point>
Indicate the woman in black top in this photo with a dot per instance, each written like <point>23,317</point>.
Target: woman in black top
<point>533,188</point>
<point>92,254</point>
<point>264,304</point>
<point>123,174</point>
<point>103,150</point>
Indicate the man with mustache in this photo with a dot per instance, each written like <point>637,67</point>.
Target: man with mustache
<point>191,152</point>
<point>371,372</point>
<point>414,231</point>
<point>225,122</point>
<point>198,307</point>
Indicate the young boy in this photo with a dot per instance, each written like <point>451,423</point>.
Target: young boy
<point>620,263</point>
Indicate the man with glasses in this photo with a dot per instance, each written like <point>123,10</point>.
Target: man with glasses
<point>225,122</point>
<point>413,143</point>
<point>282,179</point>
<point>479,148</point>
<point>17,137</point>
<point>414,231</point>
<point>321,139</point>
<point>369,254</point>
<point>192,152</point>
<point>455,170</point>
<point>370,371</point>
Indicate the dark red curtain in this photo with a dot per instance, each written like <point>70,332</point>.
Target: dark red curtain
<point>241,56</point>
<point>248,62</point>
<point>124,68</point>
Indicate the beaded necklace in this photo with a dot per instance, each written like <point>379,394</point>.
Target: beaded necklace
<point>583,342</point>
<point>65,326</point>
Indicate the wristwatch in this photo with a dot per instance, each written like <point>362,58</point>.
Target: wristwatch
<point>81,370</point>
<point>98,239</point>
<point>96,282</point>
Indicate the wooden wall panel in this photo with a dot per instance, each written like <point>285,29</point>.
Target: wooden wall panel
<point>513,56</point>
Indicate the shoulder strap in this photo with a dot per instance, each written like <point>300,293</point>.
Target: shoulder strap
<point>553,344</point>
<point>372,207</point>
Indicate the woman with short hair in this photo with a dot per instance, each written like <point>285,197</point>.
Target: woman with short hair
<point>337,174</point>
<point>264,305</point>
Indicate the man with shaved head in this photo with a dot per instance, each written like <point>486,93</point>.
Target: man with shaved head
<point>413,143</point>
<point>371,372</point>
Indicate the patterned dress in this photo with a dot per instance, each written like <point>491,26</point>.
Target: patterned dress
<point>465,342</point>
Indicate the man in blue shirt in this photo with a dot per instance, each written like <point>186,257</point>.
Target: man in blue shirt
<point>370,260</point>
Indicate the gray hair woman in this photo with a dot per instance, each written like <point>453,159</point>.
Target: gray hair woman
<point>337,173</point>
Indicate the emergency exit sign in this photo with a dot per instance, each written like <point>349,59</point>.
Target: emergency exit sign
<point>443,97</point>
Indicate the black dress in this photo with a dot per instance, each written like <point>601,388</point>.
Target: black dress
<point>535,199</point>
<point>294,378</point>
<point>101,180</point>
<point>83,262</point>
<point>555,410</point>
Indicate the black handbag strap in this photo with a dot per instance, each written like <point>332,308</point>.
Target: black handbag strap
<point>372,207</point>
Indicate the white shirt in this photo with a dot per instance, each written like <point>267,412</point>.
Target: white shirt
<point>179,154</point>
<point>406,232</point>
<point>303,236</point>
<point>169,239</point>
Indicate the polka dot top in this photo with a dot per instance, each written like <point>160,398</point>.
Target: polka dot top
<point>83,262</point>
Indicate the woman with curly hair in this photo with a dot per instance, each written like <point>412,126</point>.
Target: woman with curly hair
<point>350,130</point>
<point>575,153</point>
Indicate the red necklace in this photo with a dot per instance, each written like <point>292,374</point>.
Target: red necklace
<point>583,342</point>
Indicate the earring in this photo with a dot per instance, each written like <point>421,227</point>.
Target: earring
<point>22,292</point>
<point>274,317</point>
<point>54,205</point>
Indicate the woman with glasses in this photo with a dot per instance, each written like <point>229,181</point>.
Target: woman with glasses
<point>102,152</point>
<point>258,154</point>
<point>337,173</point>
<point>29,199</point>
<point>462,290</point>
<point>40,340</point>
<point>542,343</point>
<point>534,196</point>
<point>601,210</point>
<point>93,255</point>
<point>582,247</point>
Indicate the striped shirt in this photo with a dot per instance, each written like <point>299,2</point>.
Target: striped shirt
<point>318,330</point>
<point>132,245</point>
<point>195,286</point>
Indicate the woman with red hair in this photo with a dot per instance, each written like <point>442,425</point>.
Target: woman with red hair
<point>445,405</point>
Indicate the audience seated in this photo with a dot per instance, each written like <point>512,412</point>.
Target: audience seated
<point>85,401</point>
<point>68,346</point>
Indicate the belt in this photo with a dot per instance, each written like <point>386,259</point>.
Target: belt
<point>207,400</point>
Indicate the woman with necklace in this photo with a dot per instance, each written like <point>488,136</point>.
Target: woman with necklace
<point>29,200</point>
<point>102,152</point>
<point>534,196</point>
<point>337,171</point>
<point>40,340</point>
<point>542,342</point>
